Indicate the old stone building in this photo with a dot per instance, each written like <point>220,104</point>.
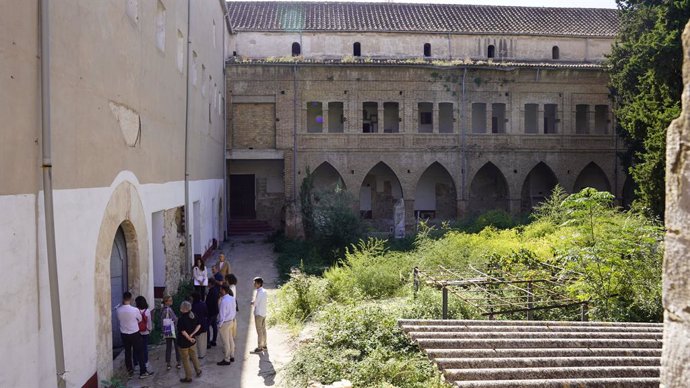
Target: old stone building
<point>135,95</point>
<point>447,110</point>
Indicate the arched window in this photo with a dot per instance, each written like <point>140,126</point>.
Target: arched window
<point>427,49</point>
<point>555,53</point>
<point>357,49</point>
<point>296,49</point>
<point>491,52</point>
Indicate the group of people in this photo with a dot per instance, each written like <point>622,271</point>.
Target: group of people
<point>202,318</point>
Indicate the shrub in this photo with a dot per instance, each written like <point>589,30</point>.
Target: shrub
<point>298,299</point>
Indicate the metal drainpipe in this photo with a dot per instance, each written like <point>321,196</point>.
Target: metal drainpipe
<point>48,194</point>
<point>186,146</point>
<point>225,132</point>
<point>294,133</point>
<point>463,131</point>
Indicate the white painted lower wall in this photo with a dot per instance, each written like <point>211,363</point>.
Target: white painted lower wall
<point>28,359</point>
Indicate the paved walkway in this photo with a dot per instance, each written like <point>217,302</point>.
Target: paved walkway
<point>249,257</point>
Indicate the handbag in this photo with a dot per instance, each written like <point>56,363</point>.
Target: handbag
<point>168,327</point>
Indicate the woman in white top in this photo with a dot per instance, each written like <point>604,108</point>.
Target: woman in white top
<point>200,278</point>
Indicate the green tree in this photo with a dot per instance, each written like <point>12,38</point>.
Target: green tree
<point>646,83</point>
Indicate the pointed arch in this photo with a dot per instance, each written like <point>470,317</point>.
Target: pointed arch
<point>537,186</point>
<point>378,193</point>
<point>489,190</point>
<point>592,176</point>
<point>435,194</point>
<point>327,177</point>
<point>628,194</point>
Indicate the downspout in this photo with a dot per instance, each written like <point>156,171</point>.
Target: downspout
<point>463,131</point>
<point>186,148</point>
<point>225,133</point>
<point>295,106</point>
<point>47,166</point>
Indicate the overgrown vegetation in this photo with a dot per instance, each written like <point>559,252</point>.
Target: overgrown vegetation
<point>612,257</point>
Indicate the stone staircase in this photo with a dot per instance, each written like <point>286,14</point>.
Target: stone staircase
<point>516,354</point>
<point>242,227</point>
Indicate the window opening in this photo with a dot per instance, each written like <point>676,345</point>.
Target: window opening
<point>601,119</point>
<point>498,118</point>
<point>479,117</point>
<point>370,120</point>
<point>531,111</point>
<point>445,117</point>
<point>582,118</point>
<point>427,49</point>
<point>550,118</point>
<point>335,117</point>
<point>555,53</point>
<point>491,52</point>
<point>296,49</point>
<point>314,117</point>
<point>391,117</point>
<point>357,49</point>
<point>426,117</point>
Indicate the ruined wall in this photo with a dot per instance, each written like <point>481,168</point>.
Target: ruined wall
<point>676,352</point>
<point>174,249</point>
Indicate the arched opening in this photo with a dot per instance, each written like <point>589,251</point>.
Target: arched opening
<point>119,284</point>
<point>488,190</point>
<point>555,53</point>
<point>537,186</point>
<point>296,49</point>
<point>427,49</point>
<point>435,196</point>
<point>592,176</point>
<point>491,51</point>
<point>327,178</point>
<point>357,49</point>
<point>379,192</point>
<point>628,195</point>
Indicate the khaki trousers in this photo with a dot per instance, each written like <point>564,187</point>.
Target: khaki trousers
<point>201,344</point>
<point>260,323</point>
<point>228,342</point>
<point>187,354</point>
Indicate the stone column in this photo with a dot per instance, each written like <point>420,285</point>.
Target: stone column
<point>675,362</point>
<point>380,112</point>
<point>435,118</point>
<point>324,116</point>
<point>409,216</point>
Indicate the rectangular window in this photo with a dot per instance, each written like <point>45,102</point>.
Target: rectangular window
<point>582,119</point>
<point>601,119</point>
<point>445,117</point>
<point>314,117</point>
<point>531,111</point>
<point>426,117</point>
<point>370,119</point>
<point>550,118</point>
<point>335,117</point>
<point>479,117</point>
<point>160,26</point>
<point>180,51</point>
<point>391,117</point>
<point>498,118</point>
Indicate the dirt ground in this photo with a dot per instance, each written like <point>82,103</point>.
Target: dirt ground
<point>249,256</point>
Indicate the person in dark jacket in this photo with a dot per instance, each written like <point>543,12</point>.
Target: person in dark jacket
<point>212,308</point>
<point>201,313</point>
<point>187,329</point>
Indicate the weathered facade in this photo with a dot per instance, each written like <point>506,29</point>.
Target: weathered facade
<point>454,109</point>
<point>120,132</point>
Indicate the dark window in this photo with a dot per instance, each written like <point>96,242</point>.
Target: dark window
<point>296,49</point>
<point>357,49</point>
<point>427,49</point>
<point>531,113</point>
<point>550,118</point>
<point>555,53</point>
<point>491,52</point>
<point>601,119</point>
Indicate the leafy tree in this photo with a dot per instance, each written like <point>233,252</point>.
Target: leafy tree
<point>646,83</point>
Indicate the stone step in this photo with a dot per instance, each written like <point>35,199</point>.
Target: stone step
<point>534,335</point>
<point>542,352</point>
<point>546,362</point>
<point>481,329</point>
<point>494,374</point>
<point>469,322</point>
<point>628,382</point>
<point>434,343</point>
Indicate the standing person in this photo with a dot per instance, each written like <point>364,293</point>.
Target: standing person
<point>231,281</point>
<point>129,317</point>
<point>223,266</point>
<point>201,313</point>
<point>260,310</point>
<point>145,327</point>
<point>200,277</point>
<point>226,315</point>
<point>169,331</point>
<point>212,309</point>
<point>187,329</point>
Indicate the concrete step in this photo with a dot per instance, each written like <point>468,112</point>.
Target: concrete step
<point>534,335</point>
<point>469,322</point>
<point>435,343</point>
<point>494,374</point>
<point>521,328</point>
<point>542,352</point>
<point>628,382</point>
<point>544,362</point>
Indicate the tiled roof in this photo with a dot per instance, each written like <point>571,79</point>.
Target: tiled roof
<point>433,18</point>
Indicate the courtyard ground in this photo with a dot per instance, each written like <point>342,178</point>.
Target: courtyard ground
<point>249,257</point>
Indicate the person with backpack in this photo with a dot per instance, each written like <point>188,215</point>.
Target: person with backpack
<point>145,327</point>
<point>129,318</point>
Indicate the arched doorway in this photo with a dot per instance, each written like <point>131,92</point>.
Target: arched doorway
<point>326,177</point>
<point>377,196</point>
<point>435,196</point>
<point>592,176</point>
<point>488,190</point>
<point>628,195</point>
<point>537,186</point>
<point>118,283</point>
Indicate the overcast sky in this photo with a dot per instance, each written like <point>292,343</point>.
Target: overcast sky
<point>528,3</point>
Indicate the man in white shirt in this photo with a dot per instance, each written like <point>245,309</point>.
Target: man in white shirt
<point>129,318</point>
<point>226,316</point>
<point>260,301</point>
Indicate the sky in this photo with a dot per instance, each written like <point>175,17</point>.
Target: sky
<point>526,3</point>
